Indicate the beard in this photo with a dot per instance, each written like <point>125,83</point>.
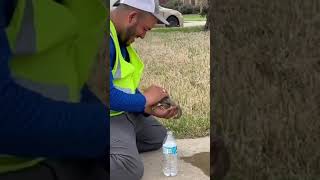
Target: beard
<point>129,35</point>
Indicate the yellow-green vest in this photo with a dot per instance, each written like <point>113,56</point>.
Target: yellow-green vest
<point>53,48</point>
<point>126,75</point>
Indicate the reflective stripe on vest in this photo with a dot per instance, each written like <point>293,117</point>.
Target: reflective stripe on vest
<point>126,75</point>
<point>53,50</point>
<point>55,92</point>
<point>117,74</point>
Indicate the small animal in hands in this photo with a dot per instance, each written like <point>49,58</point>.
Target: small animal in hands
<point>166,103</point>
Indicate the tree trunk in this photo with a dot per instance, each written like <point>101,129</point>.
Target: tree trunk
<point>207,25</point>
<point>265,85</point>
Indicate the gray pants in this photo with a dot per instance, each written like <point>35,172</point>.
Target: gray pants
<point>131,134</point>
<point>61,170</point>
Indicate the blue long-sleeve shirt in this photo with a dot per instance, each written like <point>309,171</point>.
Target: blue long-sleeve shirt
<point>35,126</point>
<point>121,101</point>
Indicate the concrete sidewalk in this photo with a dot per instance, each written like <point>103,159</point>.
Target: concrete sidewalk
<point>189,150</point>
<point>193,23</point>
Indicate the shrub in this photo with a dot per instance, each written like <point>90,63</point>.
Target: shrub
<point>204,10</point>
<point>196,10</point>
<point>186,9</point>
<point>173,4</point>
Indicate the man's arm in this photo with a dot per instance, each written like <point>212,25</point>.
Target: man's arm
<point>121,101</point>
<point>137,102</point>
<point>33,125</point>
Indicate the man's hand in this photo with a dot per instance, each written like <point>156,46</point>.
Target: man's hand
<point>154,94</point>
<point>162,112</point>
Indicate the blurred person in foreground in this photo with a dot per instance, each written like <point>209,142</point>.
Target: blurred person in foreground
<point>53,123</point>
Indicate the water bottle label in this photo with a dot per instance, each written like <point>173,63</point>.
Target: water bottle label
<point>169,150</point>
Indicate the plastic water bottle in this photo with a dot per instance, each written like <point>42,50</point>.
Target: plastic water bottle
<point>170,156</point>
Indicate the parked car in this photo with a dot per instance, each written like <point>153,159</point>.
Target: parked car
<point>174,17</point>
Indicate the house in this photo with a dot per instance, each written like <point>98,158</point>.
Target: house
<point>195,3</point>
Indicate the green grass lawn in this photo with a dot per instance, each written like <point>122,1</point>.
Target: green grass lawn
<point>179,29</point>
<point>193,17</point>
<point>183,68</point>
<point>188,127</point>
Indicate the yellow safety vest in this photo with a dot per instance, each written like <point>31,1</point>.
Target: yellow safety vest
<point>53,48</point>
<point>126,75</point>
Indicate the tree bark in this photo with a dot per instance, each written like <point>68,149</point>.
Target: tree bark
<point>207,25</point>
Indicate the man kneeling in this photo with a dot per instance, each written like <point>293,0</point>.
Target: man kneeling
<point>133,129</point>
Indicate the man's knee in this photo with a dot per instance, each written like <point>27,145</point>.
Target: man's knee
<point>125,167</point>
<point>150,133</point>
<point>154,140</point>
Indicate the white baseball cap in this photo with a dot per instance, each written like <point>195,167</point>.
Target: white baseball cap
<point>151,6</point>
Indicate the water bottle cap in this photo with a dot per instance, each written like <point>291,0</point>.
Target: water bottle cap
<point>169,133</point>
